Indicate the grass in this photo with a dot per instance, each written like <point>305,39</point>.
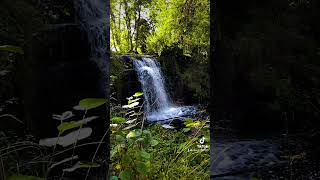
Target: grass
<point>176,156</point>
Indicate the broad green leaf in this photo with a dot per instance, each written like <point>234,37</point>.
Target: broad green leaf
<point>134,133</point>
<point>188,121</point>
<point>144,155</point>
<point>24,177</point>
<point>64,126</point>
<point>115,150</point>
<point>68,139</point>
<point>187,54</point>
<point>195,124</point>
<point>120,139</point>
<point>130,101</point>
<point>67,125</point>
<point>207,138</point>
<point>137,94</point>
<point>118,119</point>
<point>146,132</point>
<point>113,178</point>
<point>154,142</point>
<point>126,159</point>
<point>126,175</point>
<point>186,129</point>
<point>91,103</point>
<point>13,49</point>
<point>141,167</point>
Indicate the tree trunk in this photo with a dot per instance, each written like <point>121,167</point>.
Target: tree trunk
<point>137,28</point>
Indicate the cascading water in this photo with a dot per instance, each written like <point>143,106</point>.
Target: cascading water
<point>158,106</point>
<point>92,14</point>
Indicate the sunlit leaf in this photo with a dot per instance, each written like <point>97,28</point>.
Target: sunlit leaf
<point>188,121</point>
<point>154,142</point>
<point>91,103</point>
<point>133,100</point>
<point>118,119</point>
<point>134,133</point>
<point>195,124</point>
<point>186,129</point>
<point>137,94</point>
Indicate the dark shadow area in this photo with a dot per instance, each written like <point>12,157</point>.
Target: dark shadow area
<point>53,89</point>
<point>265,89</point>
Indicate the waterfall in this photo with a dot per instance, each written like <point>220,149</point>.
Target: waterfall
<point>158,105</point>
<point>93,16</point>
<point>152,82</point>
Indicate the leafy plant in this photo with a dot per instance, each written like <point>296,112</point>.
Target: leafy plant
<point>152,152</point>
<point>70,132</point>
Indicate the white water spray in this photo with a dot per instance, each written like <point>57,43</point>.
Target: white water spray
<point>158,105</point>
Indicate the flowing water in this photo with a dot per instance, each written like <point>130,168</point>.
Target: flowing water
<point>229,156</point>
<point>158,105</point>
<point>92,15</point>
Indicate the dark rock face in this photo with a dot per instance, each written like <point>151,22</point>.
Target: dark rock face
<point>56,74</point>
<point>127,82</point>
<point>127,85</point>
<point>173,66</point>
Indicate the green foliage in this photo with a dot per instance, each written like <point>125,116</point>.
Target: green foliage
<point>118,120</point>
<point>181,22</point>
<point>153,152</point>
<point>137,94</point>
<point>162,24</point>
<point>64,126</point>
<point>67,125</point>
<point>45,162</point>
<point>91,103</point>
